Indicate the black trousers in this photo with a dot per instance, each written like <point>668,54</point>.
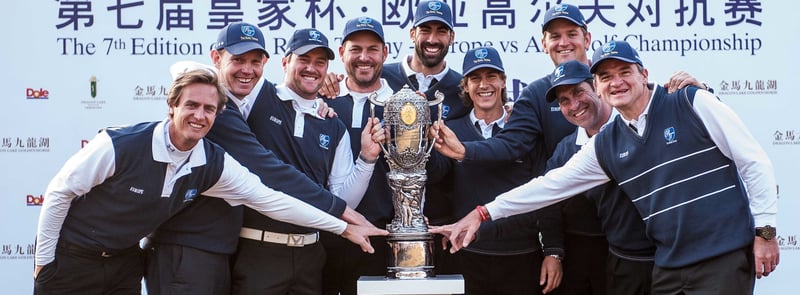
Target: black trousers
<point>494,274</point>
<point>268,268</point>
<point>728,274</point>
<point>181,270</point>
<point>628,277</point>
<point>79,271</point>
<point>584,265</point>
<point>345,263</point>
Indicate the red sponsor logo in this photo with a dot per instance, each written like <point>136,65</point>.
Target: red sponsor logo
<point>31,93</point>
<point>32,200</point>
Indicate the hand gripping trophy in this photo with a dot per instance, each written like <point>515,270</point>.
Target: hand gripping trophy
<point>407,115</point>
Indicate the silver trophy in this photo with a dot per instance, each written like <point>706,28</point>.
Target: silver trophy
<point>407,115</point>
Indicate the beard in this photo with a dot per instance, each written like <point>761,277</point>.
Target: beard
<point>364,81</point>
<point>430,61</point>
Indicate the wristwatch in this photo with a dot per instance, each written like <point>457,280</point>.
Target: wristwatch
<point>767,232</point>
<point>558,258</point>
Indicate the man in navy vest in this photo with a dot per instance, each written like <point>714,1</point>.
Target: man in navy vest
<point>363,52</point>
<point>427,71</point>
<point>286,121</point>
<point>128,180</point>
<point>601,213</point>
<point>511,260</point>
<point>702,184</point>
<point>203,236</point>
<point>537,126</point>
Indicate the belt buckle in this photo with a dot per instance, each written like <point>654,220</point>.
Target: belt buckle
<point>296,240</point>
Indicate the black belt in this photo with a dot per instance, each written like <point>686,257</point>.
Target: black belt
<point>78,250</point>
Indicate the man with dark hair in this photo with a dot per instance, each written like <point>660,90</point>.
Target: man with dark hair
<point>363,52</point>
<point>207,233</point>
<point>695,174</point>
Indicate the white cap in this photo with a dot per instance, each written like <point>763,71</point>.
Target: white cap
<point>184,66</point>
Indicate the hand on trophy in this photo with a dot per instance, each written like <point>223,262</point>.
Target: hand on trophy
<point>353,217</point>
<point>461,233</point>
<point>447,142</point>
<point>371,138</point>
<point>359,235</point>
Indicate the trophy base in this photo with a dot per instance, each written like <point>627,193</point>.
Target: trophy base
<point>410,256</point>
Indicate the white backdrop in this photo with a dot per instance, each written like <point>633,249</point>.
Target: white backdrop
<point>78,66</point>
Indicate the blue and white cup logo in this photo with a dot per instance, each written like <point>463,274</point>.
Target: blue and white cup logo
<point>560,8</point>
<point>314,35</point>
<point>558,73</point>
<point>248,31</point>
<point>324,140</point>
<point>669,134</point>
<point>481,53</point>
<point>364,20</point>
<point>610,46</point>
<point>435,5</point>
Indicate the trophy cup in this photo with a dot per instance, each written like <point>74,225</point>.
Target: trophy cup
<point>407,115</point>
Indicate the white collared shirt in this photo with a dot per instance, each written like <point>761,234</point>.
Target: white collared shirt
<point>359,99</point>
<point>246,103</point>
<point>424,81</point>
<point>583,136</point>
<point>487,128</point>
<point>301,106</point>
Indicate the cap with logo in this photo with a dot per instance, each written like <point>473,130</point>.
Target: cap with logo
<point>568,73</point>
<point>481,57</point>
<point>564,11</point>
<point>363,23</point>
<point>615,49</point>
<point>239,38</point>
<point>433,11</point>
<point>305,40</point>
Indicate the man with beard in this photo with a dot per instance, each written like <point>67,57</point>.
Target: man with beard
<point>537,126</point>
<point>363,52</point>
<point>689,165</point>
<point>286,121</point>
<point>190,253</point>
<point>426,71</point>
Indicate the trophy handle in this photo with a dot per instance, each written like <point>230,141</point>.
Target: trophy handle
<point>438,101</point>
<point>373,101</point>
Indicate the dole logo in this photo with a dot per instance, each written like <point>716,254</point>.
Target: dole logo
<point>32,200</point>
<point>31,93</point>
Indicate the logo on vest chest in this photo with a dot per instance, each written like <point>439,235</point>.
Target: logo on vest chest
<point>669,135</point>
<point>136,190</point>
<point>623,154</point>
<point>190,195</point>
<point>324,141</point>
<point>275,120</point>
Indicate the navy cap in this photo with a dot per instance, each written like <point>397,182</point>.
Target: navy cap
<point>568,73</point>
<point>239,38</point>
<point>363,23</point>
<point>565,11</point>
<point>305,40</point>
<point>481,57</point>
<point>433,11</point>
<point>620,50</point>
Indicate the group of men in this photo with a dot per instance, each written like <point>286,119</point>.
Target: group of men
<point>233,138</point>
